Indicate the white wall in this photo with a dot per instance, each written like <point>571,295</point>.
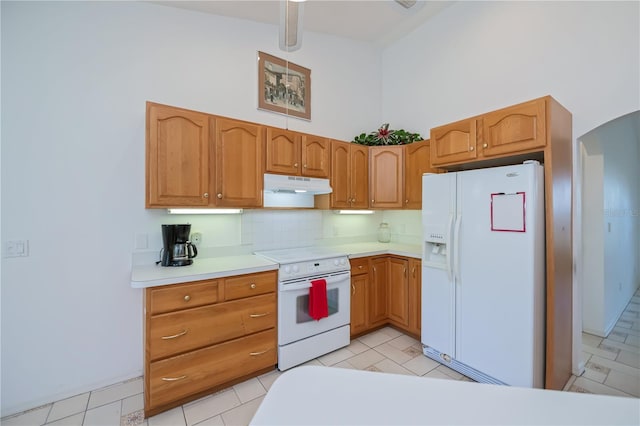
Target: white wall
<point>475,57</point>
<point>611,221</point>
<point>75,78</point>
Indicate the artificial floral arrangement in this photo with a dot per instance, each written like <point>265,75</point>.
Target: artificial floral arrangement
<point>384,136</point>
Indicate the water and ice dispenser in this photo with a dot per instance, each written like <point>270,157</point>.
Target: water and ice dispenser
<point>435,250</point>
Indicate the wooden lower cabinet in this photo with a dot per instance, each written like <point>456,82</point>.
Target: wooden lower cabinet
<point>206,335</point>
<point>415,297</point>
<point>398,291</point>
<point>385,290</point>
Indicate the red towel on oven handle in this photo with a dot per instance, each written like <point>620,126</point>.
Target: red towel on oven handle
<point>318,306</point>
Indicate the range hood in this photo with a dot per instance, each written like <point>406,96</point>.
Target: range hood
<point>295,185</point>
<point>293,191</point>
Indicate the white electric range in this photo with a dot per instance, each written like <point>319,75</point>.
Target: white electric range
<point>300,337</point>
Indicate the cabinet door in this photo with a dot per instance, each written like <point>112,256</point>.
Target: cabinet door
<point>398,291</point>
<point>340,197</point>
<point>359,288</point>
<point>239,172</point>
<point>316,157</point>
<point>417,161</point>
<point>386,177</point>
<point>359,176</point>
<point>514,129</point>
<point>177,160</point>
<point>378,292</point>
<point>415,296</point>
<point>454,143</point>
<point>282,151</point>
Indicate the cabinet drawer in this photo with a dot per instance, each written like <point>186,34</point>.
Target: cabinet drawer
<point>359,266</point>
<point>178,332</point>
<point>249,285</point>
<point>188,374</point>
<point>182,296</point>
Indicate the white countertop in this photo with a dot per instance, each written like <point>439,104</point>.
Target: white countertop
<point>201,269</point>
<point>143,276</point>
<point>313,395</point>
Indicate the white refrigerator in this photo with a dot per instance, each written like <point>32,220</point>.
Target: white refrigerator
<point>483,273</point>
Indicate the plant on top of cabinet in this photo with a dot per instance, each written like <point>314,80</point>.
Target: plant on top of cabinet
<point>384,136</point>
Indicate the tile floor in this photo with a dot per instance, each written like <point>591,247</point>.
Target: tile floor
<point>612,368</point>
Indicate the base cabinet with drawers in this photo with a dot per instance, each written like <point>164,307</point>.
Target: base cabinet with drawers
<point>206,335</point>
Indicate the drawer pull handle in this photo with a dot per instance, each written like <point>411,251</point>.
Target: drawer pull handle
<point>253,285</point>
<point>182,333</point>
<point>259,315</point>
<point>258,353</point>
<point>360,266</point>
<point>173,379</point>
<point>187,298</point>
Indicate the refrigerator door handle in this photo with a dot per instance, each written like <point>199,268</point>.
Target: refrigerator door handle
<point>456,249</point>
<point>448,253</point>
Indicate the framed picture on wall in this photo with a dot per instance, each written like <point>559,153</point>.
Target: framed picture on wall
<point>283,87</point>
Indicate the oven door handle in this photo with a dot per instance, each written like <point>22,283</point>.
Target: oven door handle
<point>307,284</point>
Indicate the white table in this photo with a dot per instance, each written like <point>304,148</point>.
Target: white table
<point>313,395</point>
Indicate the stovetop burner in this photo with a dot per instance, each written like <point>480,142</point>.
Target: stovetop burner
<point>299,254</point>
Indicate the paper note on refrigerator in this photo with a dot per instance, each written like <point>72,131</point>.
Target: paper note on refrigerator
<point>507,212</point>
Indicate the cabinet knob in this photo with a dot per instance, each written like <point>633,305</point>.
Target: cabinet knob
<point>205,195</point>
<point>373,201</point>
<point>220,196</point>
<point>484,145</point>
<point>187,298</point>
<point>295,165</point>
<point>406,201</point>
<point>304,166</point>
<point>471,148</point>
<point>360,266</point>
<point>253,285</point>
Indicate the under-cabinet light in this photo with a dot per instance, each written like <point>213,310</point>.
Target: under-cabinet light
<point>353,211</point>
<point>205,211</point>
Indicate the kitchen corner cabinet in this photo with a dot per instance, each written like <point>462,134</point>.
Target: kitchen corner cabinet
<point>417,161</point>
<point>200,160</point>
<point>177,157</point>
<point>349,176</point>
<point>206,335</point>
<point>378,291</point>
<point>386,177</point>
<point>297,154</point>
<point>398,291</point>
<point>359,290</point>
<point>415,297</point>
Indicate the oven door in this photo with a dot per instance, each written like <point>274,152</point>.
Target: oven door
<point>294,322</point>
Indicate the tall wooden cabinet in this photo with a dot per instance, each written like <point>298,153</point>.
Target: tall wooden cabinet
<point>539,129</point>
<point>200,160</point>
<point>386,178</point>
<point>349,176</point>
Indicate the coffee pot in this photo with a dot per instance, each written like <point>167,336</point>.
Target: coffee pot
<point>177,250</point>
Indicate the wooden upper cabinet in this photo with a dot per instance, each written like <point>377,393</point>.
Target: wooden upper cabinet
<point>238,163</point>
<point>514,129</point>
<point>282,152</point>
<point>297,154</point>
<point>417,161</point>
<point>349,175</point>
<point>454,143</point>
<point>315,157</point>
<point>386,184</point>
<point>177,157</point>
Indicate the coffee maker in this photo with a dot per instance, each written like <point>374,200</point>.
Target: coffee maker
<point>177,250</point>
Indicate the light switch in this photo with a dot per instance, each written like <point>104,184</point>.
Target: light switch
<point>16,248</point>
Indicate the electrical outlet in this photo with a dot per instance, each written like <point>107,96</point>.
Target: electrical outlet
<point>196,238</point>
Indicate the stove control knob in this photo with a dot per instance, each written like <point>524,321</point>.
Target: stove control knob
<point>296,269</point>
<point>336,262</point>
<point>287,269</point>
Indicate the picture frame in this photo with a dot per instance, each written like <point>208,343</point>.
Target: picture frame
<point>283,87</point>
